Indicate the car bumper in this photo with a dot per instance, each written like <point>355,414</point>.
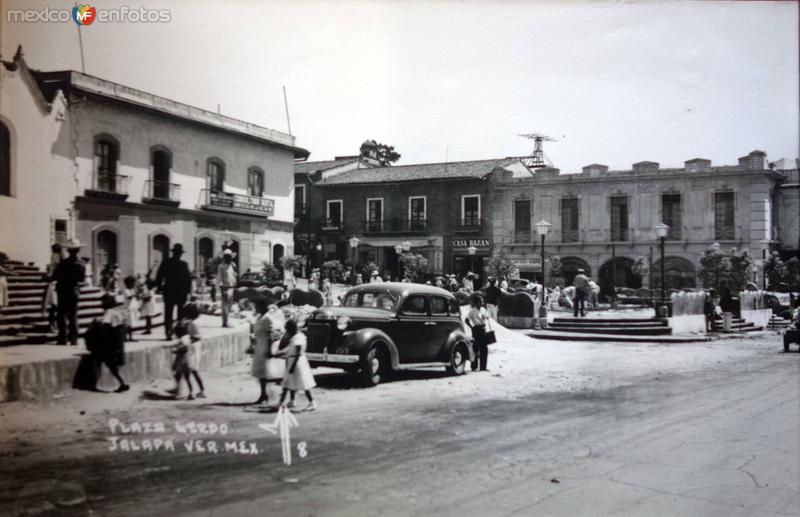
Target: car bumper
<point>325,359</point>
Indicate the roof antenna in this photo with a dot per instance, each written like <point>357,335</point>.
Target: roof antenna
<point>536,159</point>
<point>286,105</point>
<point>80,43</point>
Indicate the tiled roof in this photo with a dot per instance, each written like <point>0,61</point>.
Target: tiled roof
<point>308,167</point>
<point>478,169</point>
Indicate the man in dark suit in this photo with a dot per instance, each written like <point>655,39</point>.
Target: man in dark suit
<point>175,282</point>
<point>69,275</point>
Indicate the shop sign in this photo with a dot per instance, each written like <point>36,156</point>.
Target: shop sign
<point>478,243</point>
<point>240,203</point>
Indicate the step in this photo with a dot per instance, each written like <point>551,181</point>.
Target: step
<point>651,321</point>
<point>633,331</point>
<point>19,283</point>
<point>11,329</point>
<point>559,336</point>
<point>37,307</point>
<point>39,334</point>
<point>601,324</point>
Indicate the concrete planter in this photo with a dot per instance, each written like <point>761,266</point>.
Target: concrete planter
<point>517,322</point>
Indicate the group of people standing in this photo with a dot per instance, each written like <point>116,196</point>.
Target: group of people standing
<point>279,356</point>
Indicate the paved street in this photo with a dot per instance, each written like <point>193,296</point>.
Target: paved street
<point>554,428</point>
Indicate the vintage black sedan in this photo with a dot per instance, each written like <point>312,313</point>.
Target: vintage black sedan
<point>384,327</point>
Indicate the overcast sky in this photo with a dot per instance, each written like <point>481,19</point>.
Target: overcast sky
<point>616,83</point>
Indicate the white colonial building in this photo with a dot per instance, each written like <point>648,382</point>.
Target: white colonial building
<point>130,174</point>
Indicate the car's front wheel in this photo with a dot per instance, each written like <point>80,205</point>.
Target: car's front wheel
<point>374,366</point>
<point>459,356</point>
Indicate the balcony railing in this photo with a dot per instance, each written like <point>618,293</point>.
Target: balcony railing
<point>110,186</point>
<point>162,193</point>
<point>331,225</point>
<point>239,203</point>
<point>396,225</point>
<point>469,224</point>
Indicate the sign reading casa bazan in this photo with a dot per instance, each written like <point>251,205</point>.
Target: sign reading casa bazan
<point>478,243</point>
<point>240,203</point>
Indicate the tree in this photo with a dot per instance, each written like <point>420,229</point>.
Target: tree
<point>332,269</point>
<point>725,270</point>
<point>500,265</point>
<point>415,266</point>
<point>271,272</point>
<point>384,153</point>
<point>293,262</point>
<point>775,270</point>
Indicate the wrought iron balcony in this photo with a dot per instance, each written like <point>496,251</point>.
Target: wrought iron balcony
<point>109,186</point>
<point>238,203</point>
<point>396,225</point>
<point>162,193</point>
<point>331,225</point>
<point>469,225</point>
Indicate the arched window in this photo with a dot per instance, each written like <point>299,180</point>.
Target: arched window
<point>159,251</point>
<point>255,182</point>
<point>105,249</point>
<point>161,161</point>
<point>216,175</point>
<point>5,160</point>
<point>277,255</point>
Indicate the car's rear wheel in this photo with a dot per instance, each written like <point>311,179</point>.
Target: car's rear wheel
<point>459,356</point>
<point>375,366</point>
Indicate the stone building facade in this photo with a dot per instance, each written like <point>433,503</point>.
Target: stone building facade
<point>134,173</point>
<point>604,221</point>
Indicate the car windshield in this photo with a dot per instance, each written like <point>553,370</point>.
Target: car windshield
<point>385,300</point>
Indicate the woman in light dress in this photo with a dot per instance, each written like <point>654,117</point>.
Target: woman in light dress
<point>298,374</point>
<point>267,328</point>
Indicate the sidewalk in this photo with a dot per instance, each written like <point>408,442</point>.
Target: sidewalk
<point>33,371</point>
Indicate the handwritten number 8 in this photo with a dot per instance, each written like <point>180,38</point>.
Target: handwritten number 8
<point>301,450</point>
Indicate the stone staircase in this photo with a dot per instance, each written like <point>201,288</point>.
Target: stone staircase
<point>22,321</point>
<point>737,325</point>
<point>778,323</point>
<point>639,330</point>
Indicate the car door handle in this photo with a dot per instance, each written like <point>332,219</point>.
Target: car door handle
<point>430,323</point>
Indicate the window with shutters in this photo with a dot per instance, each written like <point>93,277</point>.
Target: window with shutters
<point>216,175</point>
<point>570,217</point>
<point>724,229</point>
<point>619,218</point>
<point>522,220</point>
<point>255,182</point>
<point>671,215</point>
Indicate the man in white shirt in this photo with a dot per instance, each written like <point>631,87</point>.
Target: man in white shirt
<point>226,280</point>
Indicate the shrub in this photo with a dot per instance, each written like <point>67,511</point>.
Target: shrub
<point>500,265</point>
<point>519,304</point>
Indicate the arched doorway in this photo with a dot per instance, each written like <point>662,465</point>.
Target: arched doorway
<point>205,252</point>
<point>277,255</point>
<point>159,251</point>
<point>679,273</point>
<point>570,267</point>
<point>105,251</point>
<point>617,273</point>
<point>5,160</point>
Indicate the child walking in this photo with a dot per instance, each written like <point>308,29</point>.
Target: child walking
<point>298,374</point>
<point>187,352</point>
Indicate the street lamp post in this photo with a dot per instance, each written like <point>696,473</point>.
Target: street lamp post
<point>661,231</point>
<point>354,246</point>
<point>399,271</point>
<point>542,228</point>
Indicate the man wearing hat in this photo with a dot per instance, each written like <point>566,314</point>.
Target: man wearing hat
<point>375,278</point>
<point>69,275</point>
<point>581,284</point>
<point>226,280</point>
<point>175,282</point>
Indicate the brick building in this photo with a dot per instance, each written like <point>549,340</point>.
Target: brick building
<point>130,174</point>
<point>439,210</point>
<point>603,221</point>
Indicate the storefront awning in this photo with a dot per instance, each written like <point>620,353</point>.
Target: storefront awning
<point>529,267</point>
<point>390,242</point>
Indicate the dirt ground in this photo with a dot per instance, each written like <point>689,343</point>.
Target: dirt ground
<point>554,428</point>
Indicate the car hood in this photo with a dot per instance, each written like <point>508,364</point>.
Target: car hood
<point>332,313</point>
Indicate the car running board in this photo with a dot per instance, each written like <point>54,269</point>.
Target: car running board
<point>414,366</point>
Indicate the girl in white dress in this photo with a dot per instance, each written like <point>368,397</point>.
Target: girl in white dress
<point>298,374</point>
